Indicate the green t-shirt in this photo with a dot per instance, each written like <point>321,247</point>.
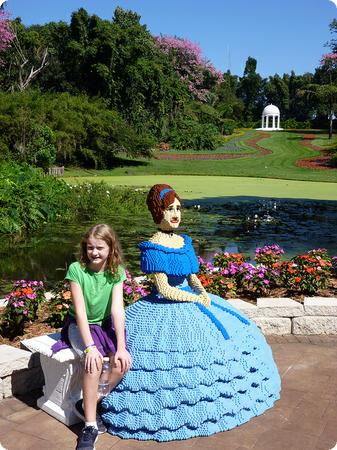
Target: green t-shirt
<point>97,290</point>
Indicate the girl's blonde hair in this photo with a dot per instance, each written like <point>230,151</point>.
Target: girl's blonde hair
<point>107,234</point>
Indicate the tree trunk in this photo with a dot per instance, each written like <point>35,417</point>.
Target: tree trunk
<point>330,124</point>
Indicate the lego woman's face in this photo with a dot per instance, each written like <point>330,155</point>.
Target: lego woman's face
<point>171,216</point>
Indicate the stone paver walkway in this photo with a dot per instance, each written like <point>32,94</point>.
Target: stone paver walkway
<point>304,419</point>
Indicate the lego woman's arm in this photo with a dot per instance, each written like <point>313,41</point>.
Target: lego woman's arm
<point>176,294</point>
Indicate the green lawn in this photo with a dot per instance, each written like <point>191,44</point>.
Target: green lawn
<point>202,187</point>
<point>280,164</point>
<point>273,175</point>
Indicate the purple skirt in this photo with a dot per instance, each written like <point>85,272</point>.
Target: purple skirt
<point>103,336</point>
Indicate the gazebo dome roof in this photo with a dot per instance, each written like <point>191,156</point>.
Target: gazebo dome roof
<point>271,110</point>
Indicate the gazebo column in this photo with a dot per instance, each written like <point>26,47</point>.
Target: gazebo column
<point>262,125</point>
<point>273,121</point>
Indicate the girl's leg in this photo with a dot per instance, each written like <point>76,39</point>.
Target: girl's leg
<point>90,385</point>
<point>90,380</point>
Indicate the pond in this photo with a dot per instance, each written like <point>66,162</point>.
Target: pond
<point>242,226</point>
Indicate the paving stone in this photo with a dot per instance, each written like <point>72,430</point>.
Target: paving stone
<point>247,308</point>
<point>279,307</point>
<point>314,325</point>
<point>303,419</point>
<point>320,306</point>
<point>273,325</point>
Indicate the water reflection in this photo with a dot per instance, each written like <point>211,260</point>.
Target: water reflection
<point>295,225</point>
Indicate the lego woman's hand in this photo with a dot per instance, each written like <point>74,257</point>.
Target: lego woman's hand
<point>196,285</point>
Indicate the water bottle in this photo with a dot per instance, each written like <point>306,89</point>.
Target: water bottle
<point>104,380</point>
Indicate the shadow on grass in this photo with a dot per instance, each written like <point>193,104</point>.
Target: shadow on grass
<point>308,131</point>
<point>249,199</point>
<point>123,162</point>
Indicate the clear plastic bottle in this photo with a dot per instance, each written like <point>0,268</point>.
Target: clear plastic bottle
<point>104,381</point>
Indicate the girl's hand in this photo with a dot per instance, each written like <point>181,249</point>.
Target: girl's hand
<point>123,358</point>
<point>93,360</point>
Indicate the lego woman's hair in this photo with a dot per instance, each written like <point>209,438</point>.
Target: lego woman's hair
<point>158,199</point>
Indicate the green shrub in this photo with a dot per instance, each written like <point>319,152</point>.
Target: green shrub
<point>37,128</point>
<point>333,160</point>
<point>296,125</point>
<point>191,135</point>
<point>41,150</point>
<point>29,199</point>
<point>228,126</point>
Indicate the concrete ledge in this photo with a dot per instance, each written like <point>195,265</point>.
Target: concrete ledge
<point>20,371</point>
<point>12,358</point>
<point>248,309</point>
<point>279,307</point>
<point>320,306</point>
<point>43,344</point>
<point>273,325</point>
<point>315,325</point>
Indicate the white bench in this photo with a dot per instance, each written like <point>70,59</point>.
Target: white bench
<point>63,378</point>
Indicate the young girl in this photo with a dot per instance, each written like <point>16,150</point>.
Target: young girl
<point>95,327</point>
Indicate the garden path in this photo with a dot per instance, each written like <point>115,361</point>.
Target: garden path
<point>320,162</point>
<point>253,142</point>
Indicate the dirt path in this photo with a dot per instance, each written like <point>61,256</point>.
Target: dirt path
<point>320,162</point>
<point>220,156</point>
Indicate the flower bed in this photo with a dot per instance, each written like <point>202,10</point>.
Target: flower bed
<point>229,275</point>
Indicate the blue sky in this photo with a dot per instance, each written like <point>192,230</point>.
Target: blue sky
<point>283,35</point>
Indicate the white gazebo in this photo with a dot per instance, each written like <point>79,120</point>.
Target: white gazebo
<point>270,118</point>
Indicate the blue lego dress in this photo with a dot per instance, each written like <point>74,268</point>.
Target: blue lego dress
<point>195,370</point>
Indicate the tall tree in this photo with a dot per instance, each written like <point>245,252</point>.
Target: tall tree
<point>193,69</point>
<point>250,90</point>
<point>6,32</point>
<point>276,91</point>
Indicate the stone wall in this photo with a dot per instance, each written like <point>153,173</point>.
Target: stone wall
<point>279,316</point>
<point>20,371</point>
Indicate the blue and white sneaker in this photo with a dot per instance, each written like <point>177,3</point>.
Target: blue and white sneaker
<point>79,411</point>
<point>87,438</point>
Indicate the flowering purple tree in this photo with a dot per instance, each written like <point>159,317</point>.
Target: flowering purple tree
<point>193,69</point>
<point>6,33</point>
